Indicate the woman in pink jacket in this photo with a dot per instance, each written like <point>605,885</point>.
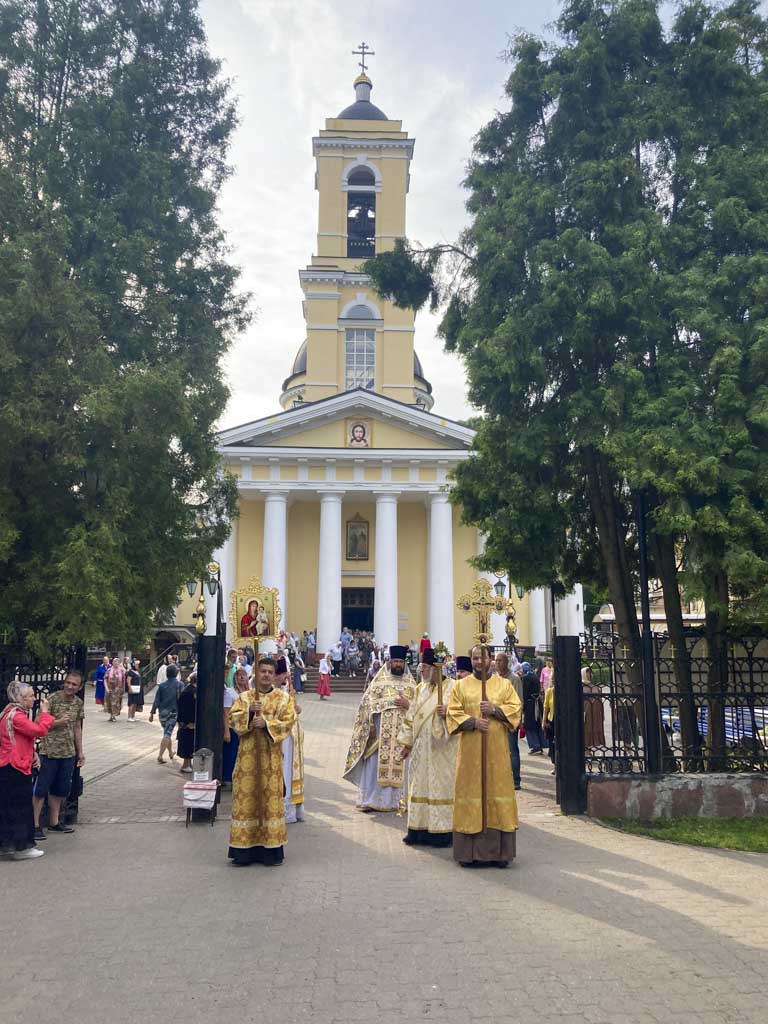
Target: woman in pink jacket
<point>17,757</point>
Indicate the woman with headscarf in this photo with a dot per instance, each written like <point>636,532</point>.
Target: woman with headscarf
<point>594,716</point>
<point>17,758</point>
<point>231,739</point>
<point>115,683</point>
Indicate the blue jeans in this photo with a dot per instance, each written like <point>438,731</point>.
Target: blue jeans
<point>514,753</point>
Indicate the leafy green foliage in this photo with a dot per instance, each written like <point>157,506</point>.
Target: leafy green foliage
<point>117,302</point>
<point>611,303</point>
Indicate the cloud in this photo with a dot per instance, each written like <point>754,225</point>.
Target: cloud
<point>292,67</point>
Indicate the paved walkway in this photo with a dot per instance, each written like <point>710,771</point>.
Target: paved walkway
<point>135,918</point>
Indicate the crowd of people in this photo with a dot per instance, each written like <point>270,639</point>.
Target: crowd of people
<point>415,742</point>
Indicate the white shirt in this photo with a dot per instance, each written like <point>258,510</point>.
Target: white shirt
<point>325,668</point>
<point>162,674</point>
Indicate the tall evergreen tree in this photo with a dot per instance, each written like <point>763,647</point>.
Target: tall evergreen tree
<point>117,303</point>
<point>610,309</point>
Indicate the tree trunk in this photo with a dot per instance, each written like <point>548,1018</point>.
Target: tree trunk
<point>663,546</point>
<point>716,621</point>
<point>603,489</point>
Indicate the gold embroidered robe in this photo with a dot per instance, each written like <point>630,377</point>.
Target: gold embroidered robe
<point>258,810</point>
<point>296,748</point>
<point>464,703</point>
<point>432,761</point>
<point>367,739</point>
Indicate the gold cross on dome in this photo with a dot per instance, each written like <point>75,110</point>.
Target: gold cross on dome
<point>362,52</point>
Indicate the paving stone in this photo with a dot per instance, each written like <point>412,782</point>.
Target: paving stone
<point>134,916</point>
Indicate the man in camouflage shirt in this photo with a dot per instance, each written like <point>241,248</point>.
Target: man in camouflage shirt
<point>60,752</point>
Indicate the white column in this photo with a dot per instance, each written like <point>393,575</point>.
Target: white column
<point>537,617</point>
<point>226,556</point>
<point>329,572</point>
<point>275,550</point>
<point>385,598</point>
<point>577,610</point>
<point>440,571</point>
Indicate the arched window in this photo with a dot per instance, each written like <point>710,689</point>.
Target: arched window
<point>361,176</point>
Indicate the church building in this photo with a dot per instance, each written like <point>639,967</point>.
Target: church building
<point>344,494</point>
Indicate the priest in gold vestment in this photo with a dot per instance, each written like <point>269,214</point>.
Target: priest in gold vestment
<point>375,758</point>
<point>478,841</point>
<point>431,753</point>
<point>262,719</point>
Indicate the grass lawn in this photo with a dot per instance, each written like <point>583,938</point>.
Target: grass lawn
<point>750,834</point>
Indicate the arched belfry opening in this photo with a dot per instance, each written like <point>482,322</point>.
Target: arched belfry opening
<point>361,213</point>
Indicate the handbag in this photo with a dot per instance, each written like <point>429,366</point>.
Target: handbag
<point>135,689</point>
<point>303,677</point>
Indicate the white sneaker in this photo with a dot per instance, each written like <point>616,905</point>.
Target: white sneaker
<point>29,854</point>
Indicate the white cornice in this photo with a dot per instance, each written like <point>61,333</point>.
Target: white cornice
<point>332,274</point>
<point>318,456</point>
<point>360,144</point>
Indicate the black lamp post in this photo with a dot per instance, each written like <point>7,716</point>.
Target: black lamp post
<point>211,655</point>
<point>501,591</point>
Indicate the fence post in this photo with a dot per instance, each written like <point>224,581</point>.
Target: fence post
<point>569,726</point>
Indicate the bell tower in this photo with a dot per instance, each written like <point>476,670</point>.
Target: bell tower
<point>356,339</point>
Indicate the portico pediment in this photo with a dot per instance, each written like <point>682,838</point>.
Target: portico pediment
<point>356,419</point>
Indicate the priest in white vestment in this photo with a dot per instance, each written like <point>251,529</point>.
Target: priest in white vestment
<point>431,753</point>
<point>374,762</point>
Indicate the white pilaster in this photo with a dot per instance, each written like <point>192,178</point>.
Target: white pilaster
<point>226,556</point>
<point>329,572</point>
<point>440,571</point>
<point>385,598</point>
<point>275,550</point>
<point>537,617</point>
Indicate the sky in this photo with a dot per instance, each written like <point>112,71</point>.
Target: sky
<point>437,67</point>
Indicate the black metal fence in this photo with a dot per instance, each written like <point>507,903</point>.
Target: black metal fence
<point>712,712</point>
<point>44,675</point>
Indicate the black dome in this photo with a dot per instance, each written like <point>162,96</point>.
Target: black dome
<point>362,110</point>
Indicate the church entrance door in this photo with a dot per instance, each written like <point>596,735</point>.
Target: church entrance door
<point>357,608</point>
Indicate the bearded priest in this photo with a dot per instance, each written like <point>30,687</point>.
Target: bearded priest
<point>375,761</point>
<point>483,835</point>
<point>432,760</point>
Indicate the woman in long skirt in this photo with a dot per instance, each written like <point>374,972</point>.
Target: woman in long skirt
<point>324,678</point>
<point>231,739</point>
<point>185,746</point>
<point>298,669</point>
<point>594,715</point>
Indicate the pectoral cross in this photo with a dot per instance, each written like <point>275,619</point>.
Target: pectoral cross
<point>364,49</point>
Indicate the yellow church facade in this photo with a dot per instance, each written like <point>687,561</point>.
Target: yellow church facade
<point>345,494</point>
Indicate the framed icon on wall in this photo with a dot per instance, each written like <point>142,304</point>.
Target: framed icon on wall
<point>357,539</point>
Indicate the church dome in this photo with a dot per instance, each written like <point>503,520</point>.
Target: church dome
<point>300,362</point>
<point>362,109</point>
